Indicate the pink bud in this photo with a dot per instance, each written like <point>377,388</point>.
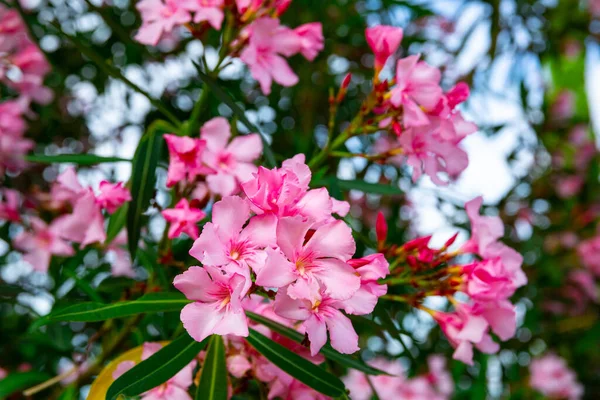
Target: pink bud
<point>346,81</point>
<point>381,228</point>
<point>281,6</point>
<point>450,241</point>
<point>397,128</point>
<point>458,94</point>
<point>384,41</point>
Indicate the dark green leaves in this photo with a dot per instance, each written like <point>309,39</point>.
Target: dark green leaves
<point>327,350</point>
<point>143,180</point>
<point>20,381</point>
<point>90,312</point>
<point>157,369</point>
<point>213,381</point>
<point>297,366</point>
<point>79,159</point>
<point>226,98</point>
<point>358,184</point>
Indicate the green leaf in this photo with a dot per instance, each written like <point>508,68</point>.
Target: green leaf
<point>358,184</point>
<point>226,98</point>
<point>328,351</point>
<point>143,181</point>
<point>79,159</point>
<point>94,311</point>
<point>213,381</point>
<point>116,222</point>
<point>297,366</point>
<point>20,381</point>
<point>157,369</point>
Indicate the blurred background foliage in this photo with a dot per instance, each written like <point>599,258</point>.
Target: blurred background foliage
<point>518,56</point>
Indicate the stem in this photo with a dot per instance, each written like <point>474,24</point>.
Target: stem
<point>194,122</point>
<point>117,74</point>
<point>372,387</point>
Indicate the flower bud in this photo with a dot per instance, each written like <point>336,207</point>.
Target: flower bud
<point>381,228</point>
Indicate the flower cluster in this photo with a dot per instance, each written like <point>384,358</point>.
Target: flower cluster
<point>22,64</point>
<point>419,124</point>
<point>13,144</point>
<point>210,162</point>
<point>262,43</point>
<point>22,69</point>
<point>551,376</point>
<point>437,384</point>
<point>281,235</point>
<point>489,282</point>
<point>84,224</point>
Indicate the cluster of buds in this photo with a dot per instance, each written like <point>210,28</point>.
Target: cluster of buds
<point>489,281</point>
<point>418,124</point>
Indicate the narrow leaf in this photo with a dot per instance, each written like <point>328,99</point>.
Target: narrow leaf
<point>156,369</point>
<point>213,381</point>
<point>226,98</point>
<point>79,159</point>
<point>358,184</point>
<point>94,311</point>
<point>105,377</point>
<point>297,366</point>
<point>20,381</point>
<point>143,181</point>
<point>328,351</point>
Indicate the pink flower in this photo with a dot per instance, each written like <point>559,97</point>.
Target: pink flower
<point>217,307</point>
<point>285,192</point>
<point>439,376</point>
<point>268,42</point>
<point>488,280</point>
<point>11,118</point>
<point>307,262</point>
<point>210,11</point>
<point>3,373</point>
<point>176,388</point>
<point>119,258</point>
<point>371,268</point>
<point>231,163</point>
<point>417,88</point>
<point>386,386</point>
<point>9,205</point>
<point>67,187</point>
<point>225,242</point>
<point>41,243</point>
<point>183,219</point>
<point>589,253</point>
<point>85,225</point>
<point>426,153</point>
<point>12,152</point>
<point>311,39</point>
<point>112,196</point>
<point>585,282</point>
<point>319,315</point>
<point>569,186</point>
<point>485,230</point>
<point>551,376</point>
<point>384,40</point>
<point>463,330</point>
<point>185,158</point>
<point>160,16</point>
